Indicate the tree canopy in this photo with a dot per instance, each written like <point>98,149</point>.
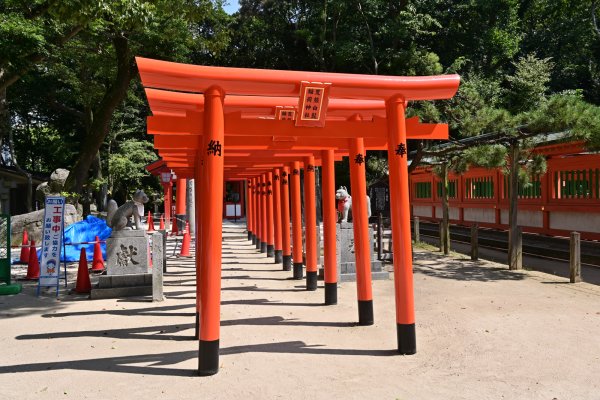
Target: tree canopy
<point>70,96</point>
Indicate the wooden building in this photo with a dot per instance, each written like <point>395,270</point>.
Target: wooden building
<point>13,191</point>
<point>565,199</point>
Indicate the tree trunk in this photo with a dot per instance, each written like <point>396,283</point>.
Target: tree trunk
<point>101,193</point>
<point>102,116</point>
<point>445,231</point>
<point>4,120</point>
<point>515,259</point>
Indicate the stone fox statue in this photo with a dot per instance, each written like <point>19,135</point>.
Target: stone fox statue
<point>344,204</point>
<point>118,218</point>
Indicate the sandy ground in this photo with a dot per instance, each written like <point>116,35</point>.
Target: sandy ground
<point>483,333</point>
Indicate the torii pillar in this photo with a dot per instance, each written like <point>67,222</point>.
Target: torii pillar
<point>294,179</point>
<point>400,213</point>
<point>310,222</point>
<point>263,213</point>
<point>210,264</point>
<point>360,223</point>
<point>277,215</point>
<point>257,213</point>
<point>329,227</point>
<point>180,206</point>
<point>270,222</point>
<point>249,209</point>
<point>285,219</point>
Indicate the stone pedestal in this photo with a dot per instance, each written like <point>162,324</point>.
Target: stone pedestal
<point>115,286</point>
<point>127,262</point>
<point>127,253</point>
<point>346,261</point>
<point>157,267</point>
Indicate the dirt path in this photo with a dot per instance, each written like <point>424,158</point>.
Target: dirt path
<point>482,333</point>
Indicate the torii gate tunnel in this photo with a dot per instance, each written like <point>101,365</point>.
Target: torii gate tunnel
<point>263,127</point>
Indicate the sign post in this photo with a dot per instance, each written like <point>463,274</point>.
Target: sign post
<point>52,241</point>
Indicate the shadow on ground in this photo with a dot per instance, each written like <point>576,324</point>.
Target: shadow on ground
<point>158,363</point>
<point>438,266</point>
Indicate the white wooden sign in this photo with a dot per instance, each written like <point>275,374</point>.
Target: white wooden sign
<point>52,237</point>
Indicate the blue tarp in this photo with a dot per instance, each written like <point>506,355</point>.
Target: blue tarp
<point>84,231</point>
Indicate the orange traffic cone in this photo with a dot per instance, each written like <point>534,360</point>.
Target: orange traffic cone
<point>150,222</point>
<point>185,245</point>
<point>83,278</point>
<point>24,259</point>
<point>33,267</point>
<point>98,262</point>
<point>162,223</point>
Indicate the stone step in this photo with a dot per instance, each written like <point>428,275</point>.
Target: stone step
<point>116,292</point>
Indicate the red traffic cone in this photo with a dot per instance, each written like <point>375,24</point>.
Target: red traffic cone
<point>187,226</point>
<point>162,223</point>
<point>98,262</point>
<point>33,266</point>
<point>24,259</point>
<point>185,245</point>
<point>83,278</point>
<point>150,222</point>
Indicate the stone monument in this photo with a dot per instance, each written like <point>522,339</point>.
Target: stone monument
<point>346,260</point>
<point>127,252</point>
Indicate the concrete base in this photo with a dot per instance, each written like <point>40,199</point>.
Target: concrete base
<point>115,286</point>
<point>115,293</point>
<point>351,277</point>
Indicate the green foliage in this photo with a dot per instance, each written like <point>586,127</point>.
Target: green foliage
<point>537,165</point>
<point>527,67</point>
<point>376,167</point>
<point>126,166</point>
<point>488,156</point>
<point>529,84</point>
<point>567,112</point>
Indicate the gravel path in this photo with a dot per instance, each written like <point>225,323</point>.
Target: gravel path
<point>482,333</point>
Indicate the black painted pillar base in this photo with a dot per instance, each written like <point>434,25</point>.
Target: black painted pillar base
<point>263,247</point>
<point>257,243</point>
<point>197,326</point>
<point>287,263</point>
<point>249,235</point>
<point>330,293</point>
<point>298,274</point>
<point>270,250</point>
<point>365,312</point>
<point>208,357</point>
<point>253,239</point>
<point>311,280</point>
<point>407,339</point>
<point>278,256</point>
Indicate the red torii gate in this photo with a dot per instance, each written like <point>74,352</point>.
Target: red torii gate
<point>183,156</point>
<point>232,116</point>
